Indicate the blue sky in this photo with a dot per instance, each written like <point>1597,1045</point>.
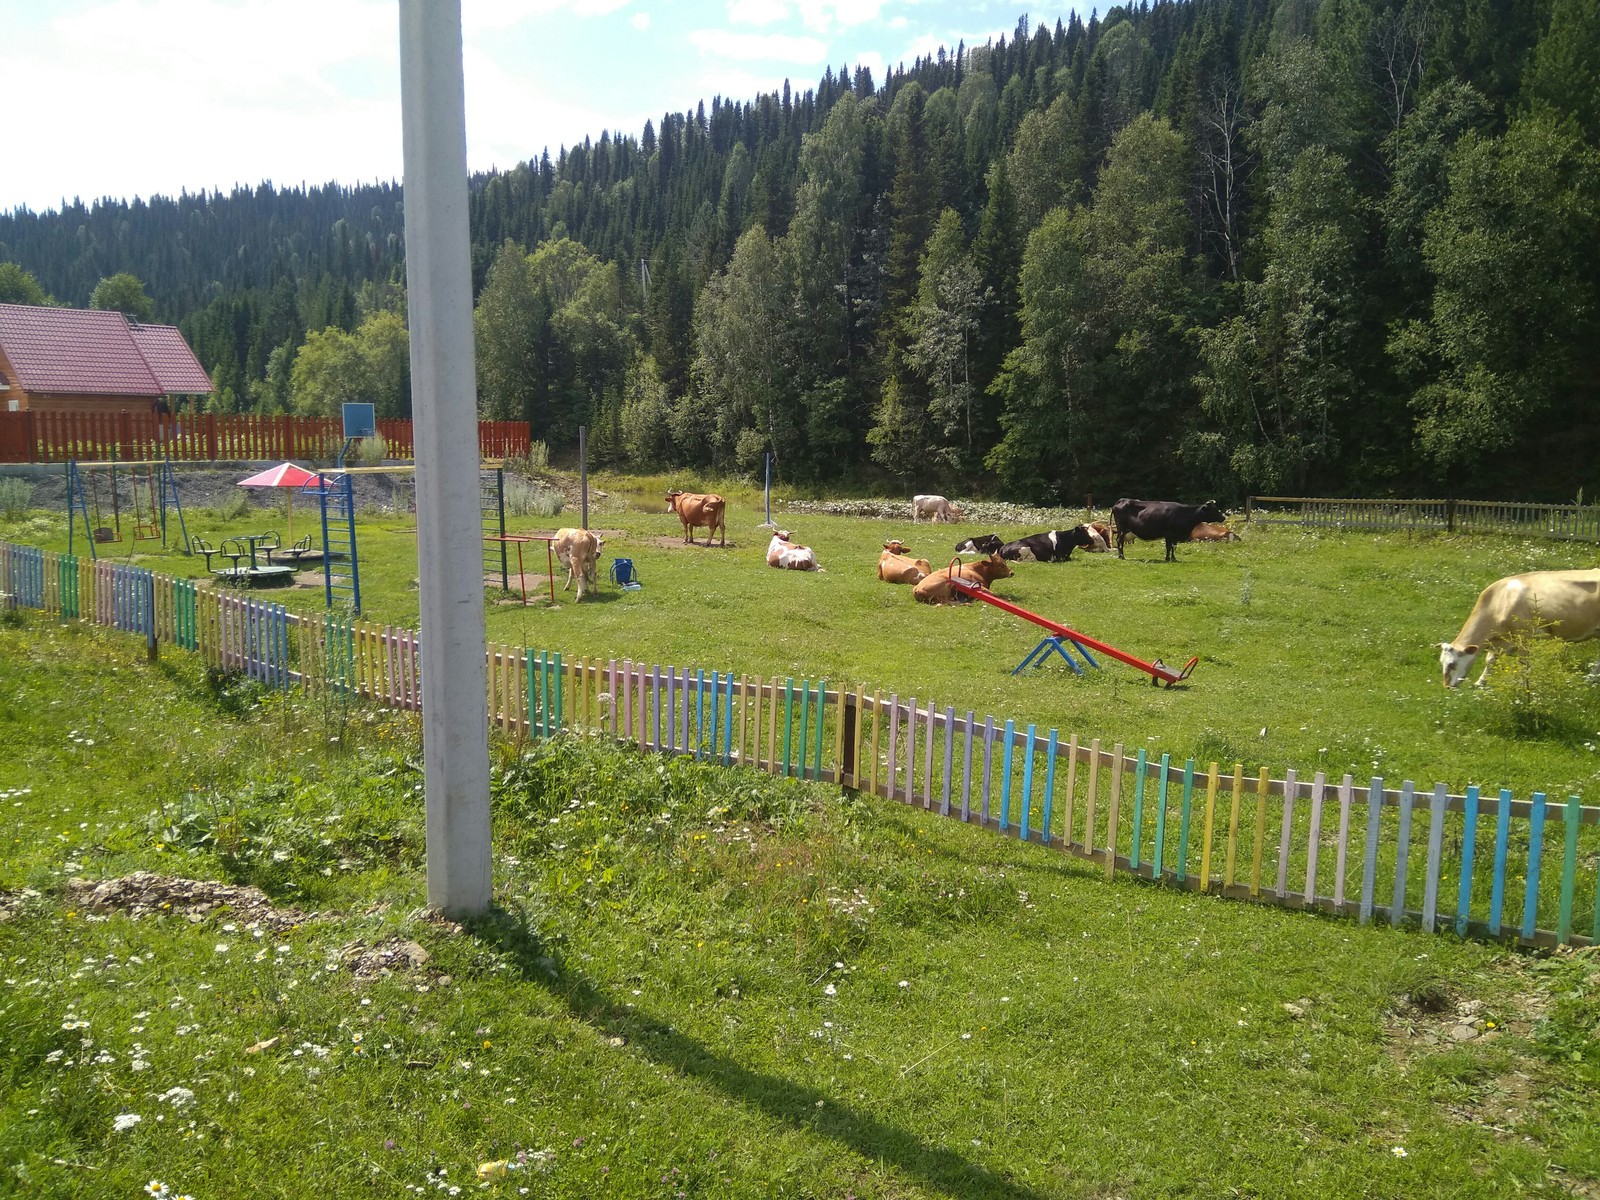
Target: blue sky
<point>135,97</point>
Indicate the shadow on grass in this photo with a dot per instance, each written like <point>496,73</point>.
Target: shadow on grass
<point>800,1107</point>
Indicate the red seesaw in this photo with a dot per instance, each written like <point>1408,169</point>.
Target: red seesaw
<point>1158,671</point>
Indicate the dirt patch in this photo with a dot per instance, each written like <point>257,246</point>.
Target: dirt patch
<point>145,892</point>
<point>677,543</point>
<point>11,903</point>
<point>1434,1022</point>
<point>397,956</point>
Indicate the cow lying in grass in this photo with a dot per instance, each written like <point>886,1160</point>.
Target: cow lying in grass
<point>1562,604</point>
<point>787,556</point>
<point>1055,545</point>
<point>896,566</point>
<point>578,550</point>
<point>936,588</point>
<point>986,543</point>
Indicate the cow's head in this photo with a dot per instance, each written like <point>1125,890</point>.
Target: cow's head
<point>781,534</point>
<point>672,500</point>
<point>1454,663</point>
<point>953,512</point>
<point>895,546</point>
<point>1212,511</point>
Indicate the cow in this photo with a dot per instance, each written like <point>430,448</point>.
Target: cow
<point>1099,536</point>
<point>695,510</point>
<point>935,508</point>
<point>936,588</point>
<point>1562,604</point>
<point>986,544</point>
<point>1161,520</point>
<point>896,566</point>
<point>578,550</point>
<point>1205,532</point>
<point>1056,545</point>
<point>787,556</point>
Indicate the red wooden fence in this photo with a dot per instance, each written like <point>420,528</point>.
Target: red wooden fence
<point>49,437</point>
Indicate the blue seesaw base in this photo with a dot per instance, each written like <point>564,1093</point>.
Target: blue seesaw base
<point>1037,656</point>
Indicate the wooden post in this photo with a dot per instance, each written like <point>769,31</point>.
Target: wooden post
<point>848,718</point>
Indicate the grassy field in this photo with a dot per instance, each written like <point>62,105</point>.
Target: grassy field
<point>1317,651</point>
<point>696,982</point>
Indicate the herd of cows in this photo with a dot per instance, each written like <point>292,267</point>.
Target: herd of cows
<point>1560,604</point>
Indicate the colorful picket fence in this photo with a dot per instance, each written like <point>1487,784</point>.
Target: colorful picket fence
<point>1475,863</point>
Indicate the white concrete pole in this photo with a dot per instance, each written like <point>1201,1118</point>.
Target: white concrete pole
<point>455,728</point>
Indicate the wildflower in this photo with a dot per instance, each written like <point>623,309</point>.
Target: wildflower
<point>1399,1152</point>
<point>178,1097</point>
<point>125,1121</point>
<point>830,990</point>
<point>905,983</point>
<point>156,1188</point>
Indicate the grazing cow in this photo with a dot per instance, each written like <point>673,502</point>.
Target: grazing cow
<point>1562,604</point>
<point>986,544</point>
<point>695,510</point>
<point>787,556</point>
<point>896,566</point>
<point>935,508</point>
<point>1161,520</point>
<point>1055,546</point>
<point>936,589</point>
<point>1205,532</point>
<point>578,550</point>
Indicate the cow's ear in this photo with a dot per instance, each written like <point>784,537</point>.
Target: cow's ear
<point>1469,649</point>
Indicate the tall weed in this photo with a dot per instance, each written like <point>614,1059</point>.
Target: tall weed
<point>15,497</point>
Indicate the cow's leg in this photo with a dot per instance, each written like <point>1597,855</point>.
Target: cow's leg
<point>1488,659</point>
<point>1594,672</point>
<point>1171,551</point>
<point>1121,537</point>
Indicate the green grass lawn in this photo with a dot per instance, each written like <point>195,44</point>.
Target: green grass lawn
<point>697,982</point>
<point>1318,651</point>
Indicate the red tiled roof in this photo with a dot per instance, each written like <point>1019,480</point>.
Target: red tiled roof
<point>174,365</point>
<point>94,353</point>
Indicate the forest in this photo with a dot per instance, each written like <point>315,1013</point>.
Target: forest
<point>1208,247</point>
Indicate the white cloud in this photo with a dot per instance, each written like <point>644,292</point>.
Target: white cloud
<point>874,63</point>
<point>756,47</point>
<point>821,16</point>
<point>734,83</point>
<point>640,21</point>
<point>485,16</point>
<point>757,12</point>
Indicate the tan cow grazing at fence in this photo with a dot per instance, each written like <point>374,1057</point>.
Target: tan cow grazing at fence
<point>695,510</point>
<point>1562,604</point>
<point>895,565</point>
<point>578,550</point>
<point>1207,532</point>
<point>936,589</point>
<point>935,508</point>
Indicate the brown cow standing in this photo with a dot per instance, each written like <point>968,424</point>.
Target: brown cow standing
<point>936,589</point>
<point>896,566</point>
<point>695,510</point>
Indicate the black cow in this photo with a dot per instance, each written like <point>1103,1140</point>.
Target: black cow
<point>1161,520</point>
<point>1055,546</point>
<point>989,543</point>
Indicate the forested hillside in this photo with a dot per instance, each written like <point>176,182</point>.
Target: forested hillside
<point>1214,246</point>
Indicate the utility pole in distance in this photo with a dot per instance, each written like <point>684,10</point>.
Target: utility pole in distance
<point>455,725</point>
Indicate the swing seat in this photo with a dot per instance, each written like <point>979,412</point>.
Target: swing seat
<point>106,534</point>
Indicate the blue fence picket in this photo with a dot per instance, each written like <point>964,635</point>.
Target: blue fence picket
<point>1469,836</point>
